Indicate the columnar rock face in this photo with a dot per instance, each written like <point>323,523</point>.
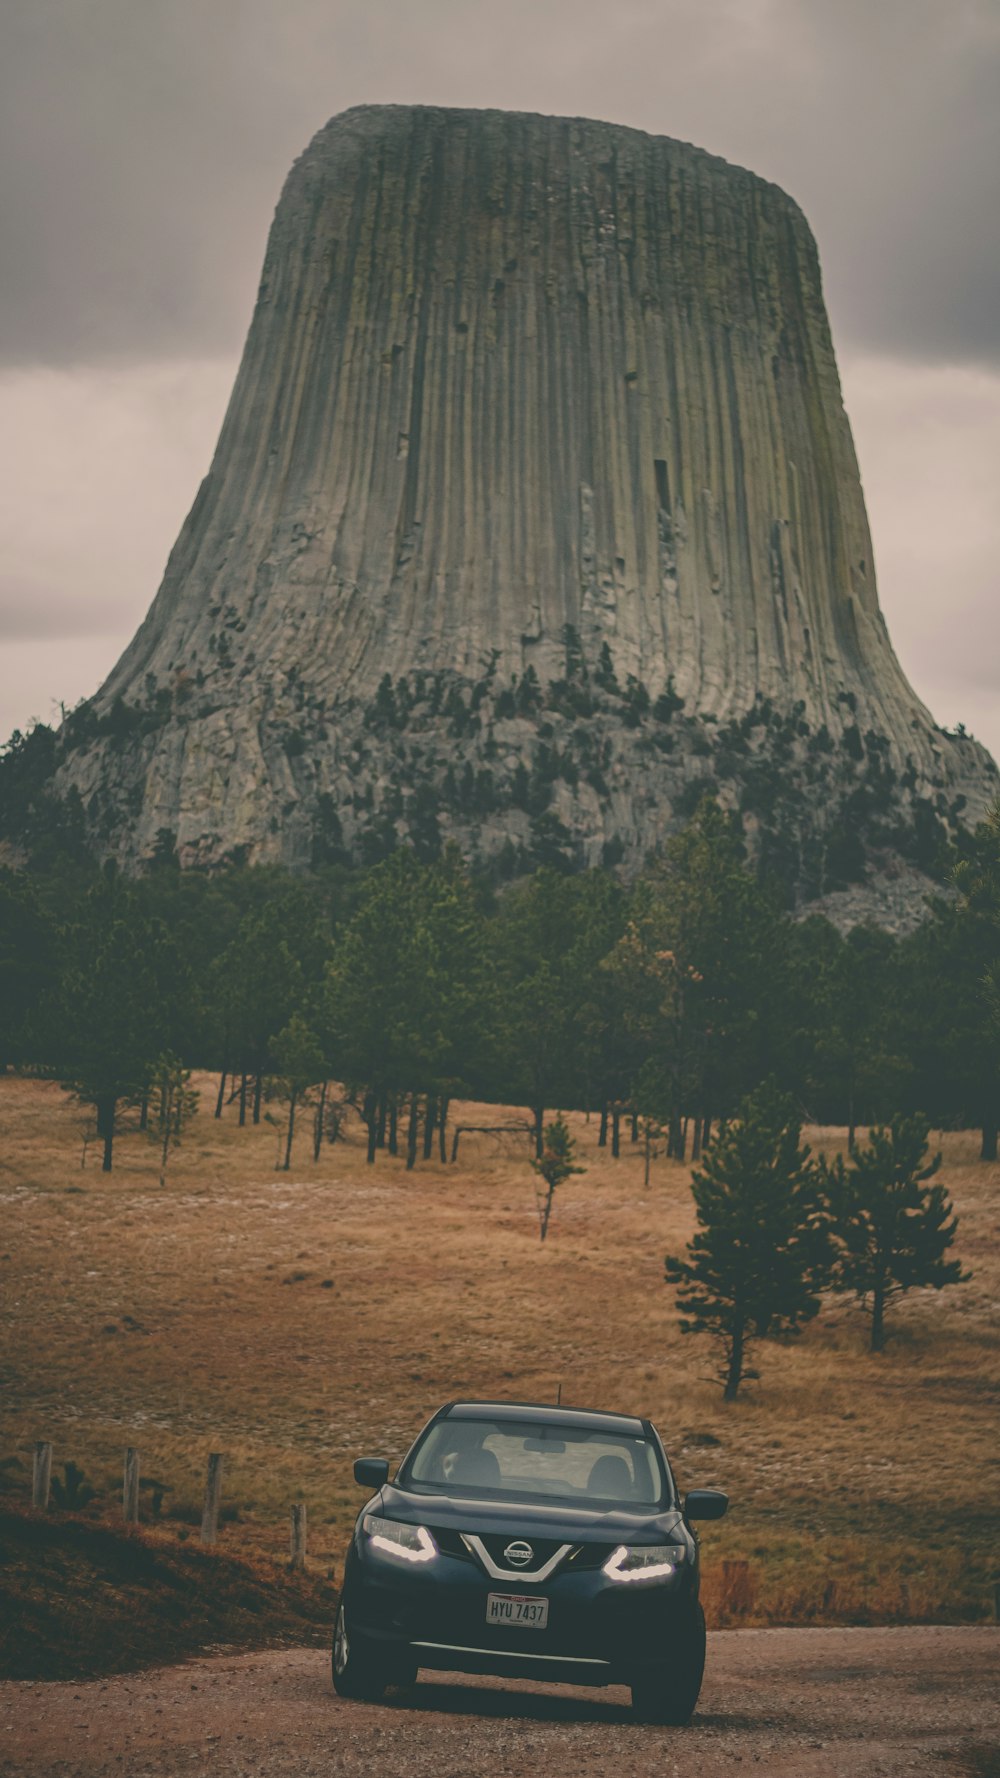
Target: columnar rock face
<point>537,447</point>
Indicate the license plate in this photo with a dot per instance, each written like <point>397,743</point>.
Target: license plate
<point>525,1610</point>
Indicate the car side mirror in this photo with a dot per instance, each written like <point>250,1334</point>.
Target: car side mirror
<point>371,1472</point>
<point>706,1503</point>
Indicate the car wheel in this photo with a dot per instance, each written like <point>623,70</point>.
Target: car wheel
<point>355,1673</point>
<point>668,1693</point>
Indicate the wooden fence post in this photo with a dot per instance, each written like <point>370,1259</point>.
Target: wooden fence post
<point>213,1488</point>
<point>41,1475</point>
<point>298,1560</point>
<point>130,1487</point>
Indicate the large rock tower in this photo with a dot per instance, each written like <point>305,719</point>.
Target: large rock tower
<point>535,513</point>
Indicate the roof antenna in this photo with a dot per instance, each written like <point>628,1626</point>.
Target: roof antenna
<point>558,1395</point>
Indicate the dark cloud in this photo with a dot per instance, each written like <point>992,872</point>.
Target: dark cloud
<point>143,146</point>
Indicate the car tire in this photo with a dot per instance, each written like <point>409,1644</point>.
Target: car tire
<point>355,1673</point>
<point>669,1692</point>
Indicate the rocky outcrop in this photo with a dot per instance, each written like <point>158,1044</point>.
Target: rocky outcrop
<point>536,466</point>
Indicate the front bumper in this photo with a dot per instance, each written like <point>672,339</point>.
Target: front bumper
<point>599,1631</point>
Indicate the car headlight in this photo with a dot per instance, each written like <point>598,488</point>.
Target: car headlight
<point>644,1561</point>
<point>411,1543</point>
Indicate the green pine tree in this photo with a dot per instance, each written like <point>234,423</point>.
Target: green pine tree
<point>113,1016</point>
<point>849,1050</point>
<point>756,1263</point>
<point>259,984</point>
<point>173,1103</point>
<point>29,964</point>
<point>977,878</point>
<point>702,958</point>
<point>299,1064</point>
<point>408,991</point>
<point>555,1164</point>
<point>891,1228</point>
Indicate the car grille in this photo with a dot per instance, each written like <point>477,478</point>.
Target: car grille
<point>582,1556</point>
<point>450,1542</point>
<point>543,1549</point>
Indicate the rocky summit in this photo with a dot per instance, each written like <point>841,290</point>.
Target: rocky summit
<point>534,517</point>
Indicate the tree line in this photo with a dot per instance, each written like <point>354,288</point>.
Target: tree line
<point>659,1005</point>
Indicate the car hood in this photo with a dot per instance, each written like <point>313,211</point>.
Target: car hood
<point>502,1518</point>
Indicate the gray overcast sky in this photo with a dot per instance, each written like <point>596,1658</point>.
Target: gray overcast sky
<point>142,150</point>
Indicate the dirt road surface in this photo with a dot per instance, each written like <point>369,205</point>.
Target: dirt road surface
<point>793,1703</point>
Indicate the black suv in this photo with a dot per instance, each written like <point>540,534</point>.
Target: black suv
<point>540,1542</point>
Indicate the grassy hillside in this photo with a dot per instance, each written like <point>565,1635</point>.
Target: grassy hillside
<point>295,1321</point>
<point>79,1599</point>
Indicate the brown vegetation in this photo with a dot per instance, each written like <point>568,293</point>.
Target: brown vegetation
<point>79,1599</point>
<point>295,1321</point>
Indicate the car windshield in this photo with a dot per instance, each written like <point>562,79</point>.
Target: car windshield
<point>525,1460</point>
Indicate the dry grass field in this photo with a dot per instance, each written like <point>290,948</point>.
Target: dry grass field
<point>295,1321</point>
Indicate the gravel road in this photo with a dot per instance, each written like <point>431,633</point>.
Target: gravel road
<point>795,1703</point>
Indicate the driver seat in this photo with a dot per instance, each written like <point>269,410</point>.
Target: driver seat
<point>476,1469</point>
<point>610,1479</point>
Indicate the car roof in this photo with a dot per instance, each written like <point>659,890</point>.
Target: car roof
<point>545,1414</point>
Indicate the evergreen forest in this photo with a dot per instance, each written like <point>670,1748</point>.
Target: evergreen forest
<point>657,1006</point>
